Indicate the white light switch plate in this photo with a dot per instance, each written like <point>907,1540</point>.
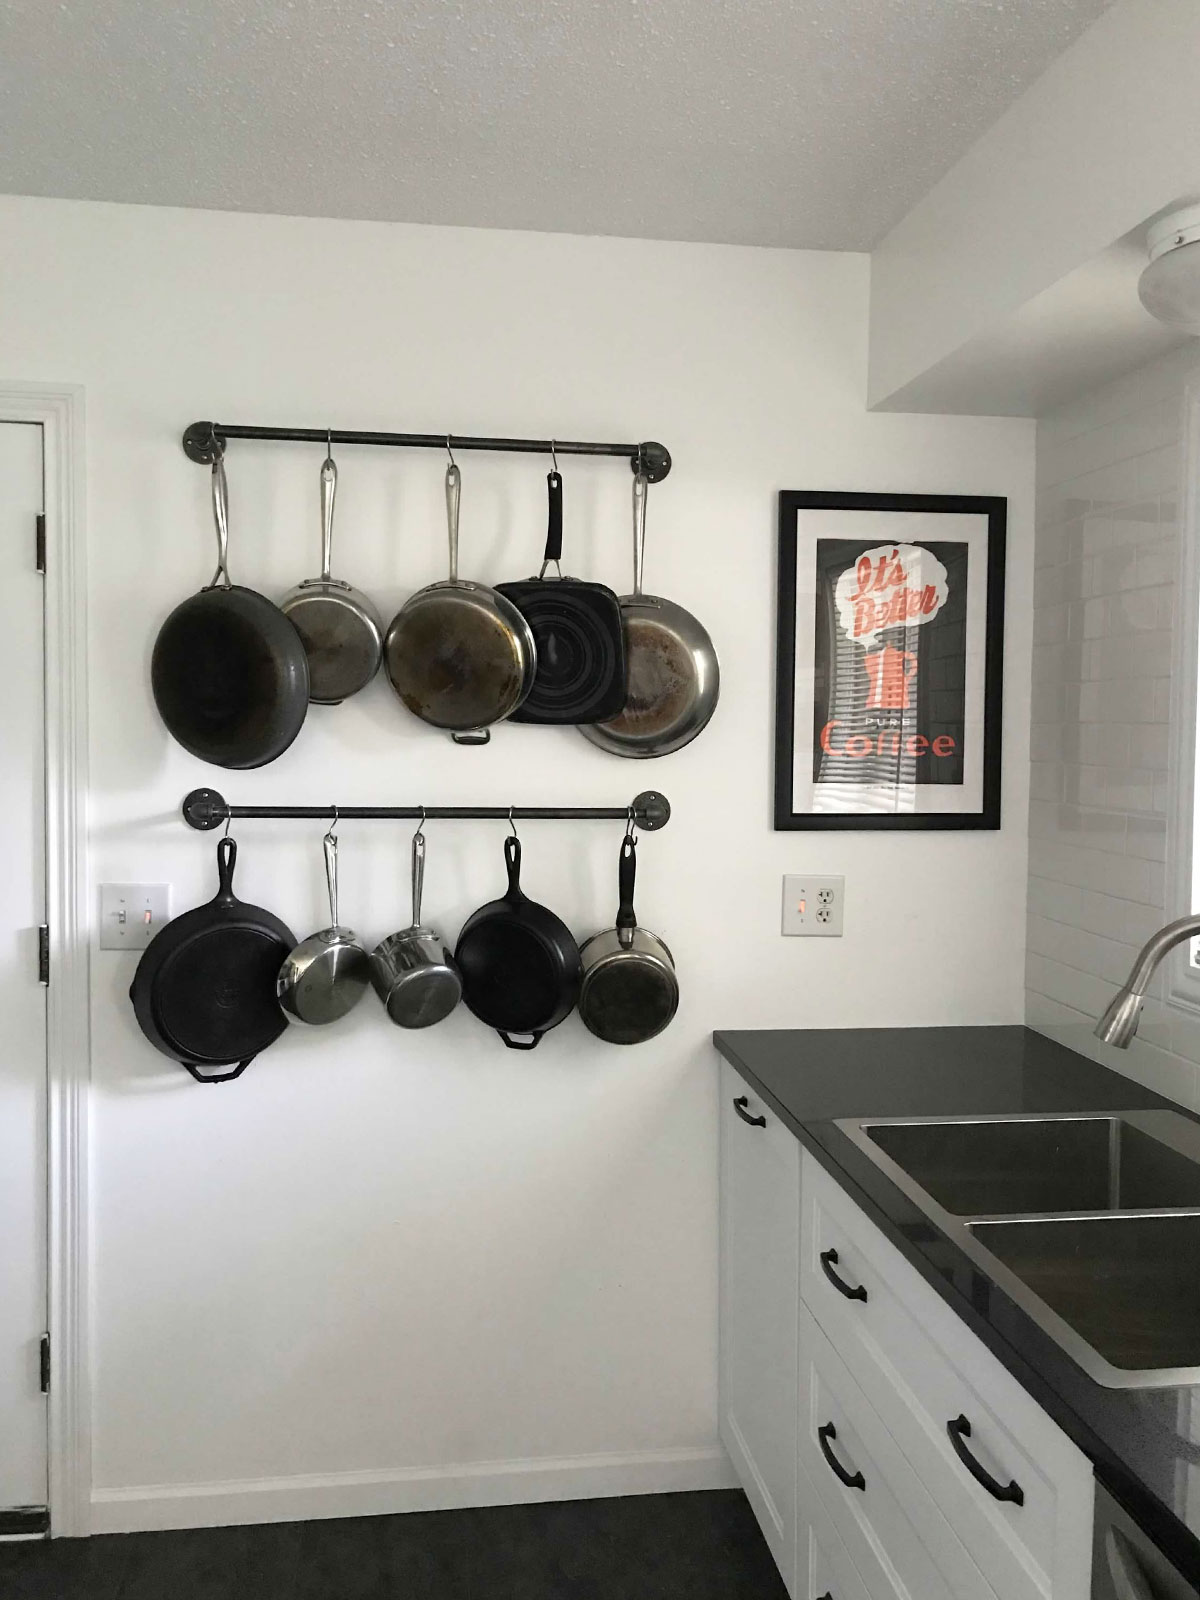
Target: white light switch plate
<point>813,905</point>
<point>132,913</point>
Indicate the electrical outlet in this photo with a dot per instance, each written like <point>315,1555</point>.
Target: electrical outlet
<point>132,913</point>
<point>813,905</point>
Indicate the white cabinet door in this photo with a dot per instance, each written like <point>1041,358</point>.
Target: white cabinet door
<point>22,998</point>
<point>760,1292</point>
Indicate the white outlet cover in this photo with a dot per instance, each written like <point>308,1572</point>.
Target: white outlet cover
<point>132,913</point>
<point>813,905</point>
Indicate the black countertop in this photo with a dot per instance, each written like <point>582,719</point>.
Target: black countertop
<point>1144,1444</point>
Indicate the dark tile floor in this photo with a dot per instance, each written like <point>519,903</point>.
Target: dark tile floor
<point>646,1547</point>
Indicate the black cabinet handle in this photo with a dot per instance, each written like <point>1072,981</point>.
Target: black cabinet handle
<point>740,1104</point>
<point>852,1291</point>
<point>852,1480</point>
<point>959,1430</point>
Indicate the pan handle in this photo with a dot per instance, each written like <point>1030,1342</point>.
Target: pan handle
<point>453,496</point>
<point>640,487</point>
<point>226,861</point>
<point>418,875</point>
<point>331,875</point>
<point>626,917</point>
<point>512,859</point>
<point>220,500</point>
<point>217,1077</point>
<point>515,1043</point>
<point>554,523</point>
<point>328,491</point>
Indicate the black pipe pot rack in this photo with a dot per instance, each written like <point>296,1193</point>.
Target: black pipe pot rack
<point>204,442</point>
<point>206,809</point>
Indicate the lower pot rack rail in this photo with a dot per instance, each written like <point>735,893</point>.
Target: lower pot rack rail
<point>206,809</point>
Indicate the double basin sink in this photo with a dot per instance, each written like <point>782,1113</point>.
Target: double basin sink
<point>1090,1223</point>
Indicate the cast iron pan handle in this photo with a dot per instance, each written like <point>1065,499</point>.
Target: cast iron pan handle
<point>852,1480</point>
<point>959,1430</point>
<point>740,1104</point>
<point>226,861</point>
<point>828,1259</point>
<point>626,873</point>
<point>217,1077</point>
<point>512,859</point>
<point>515,1043</point>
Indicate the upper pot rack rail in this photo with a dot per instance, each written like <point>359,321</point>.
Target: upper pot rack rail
<point>205,809</point>
<point>204,442</point>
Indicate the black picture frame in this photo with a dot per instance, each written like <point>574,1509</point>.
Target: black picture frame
<point>791,503</point>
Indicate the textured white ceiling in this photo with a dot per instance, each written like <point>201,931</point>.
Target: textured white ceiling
<point>812,123</point>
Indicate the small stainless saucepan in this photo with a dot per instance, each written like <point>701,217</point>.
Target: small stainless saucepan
<point>326,975</point>
<point>413,972</point>
<point>630,990</point>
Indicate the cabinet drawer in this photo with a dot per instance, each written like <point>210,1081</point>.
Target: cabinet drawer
<point>911,1355</point>
<point>897,1538</point>
<point>824,1570</point>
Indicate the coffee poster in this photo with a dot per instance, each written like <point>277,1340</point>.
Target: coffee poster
<point>890,655</point>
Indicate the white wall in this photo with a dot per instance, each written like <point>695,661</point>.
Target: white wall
<point>1110,489</point>
<point>390,1257</point>
<point>1105,138</point>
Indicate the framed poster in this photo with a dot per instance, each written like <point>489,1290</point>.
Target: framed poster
<point>890,660</point>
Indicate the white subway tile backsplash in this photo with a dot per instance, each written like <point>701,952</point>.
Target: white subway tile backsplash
<point>1108,560</point>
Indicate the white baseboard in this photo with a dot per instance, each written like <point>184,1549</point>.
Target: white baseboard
<point>363,1494</point>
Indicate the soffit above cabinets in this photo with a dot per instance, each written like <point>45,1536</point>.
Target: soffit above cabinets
<point>812,124</point>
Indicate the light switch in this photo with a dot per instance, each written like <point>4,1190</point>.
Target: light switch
<point>132,913</point>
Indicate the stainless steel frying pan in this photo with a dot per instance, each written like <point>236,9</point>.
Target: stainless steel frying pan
<point>674,679</point>
<point>459,655</point>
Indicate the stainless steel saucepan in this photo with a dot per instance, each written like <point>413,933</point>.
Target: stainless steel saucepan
<point>630,989</point>
<point>413,972</point>
<point>326,975</point>
<point>340,627</point>
<point>673,675</point>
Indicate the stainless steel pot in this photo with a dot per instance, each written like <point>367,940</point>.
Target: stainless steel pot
<point>673,677</point>
<point>630,989</point>
<point>413,972</point>
<point>459,655</point>
<point>341,629</point>
<point>326,975</point>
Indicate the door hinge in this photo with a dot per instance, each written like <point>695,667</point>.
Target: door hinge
<point>44,1363</point>
<point>40,543</point>
<point>44,954</point>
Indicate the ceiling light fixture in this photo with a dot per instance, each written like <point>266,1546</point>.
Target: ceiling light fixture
<point>1169,288</point>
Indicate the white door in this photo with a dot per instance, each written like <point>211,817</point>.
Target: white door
<point>22,996</point>
<point>760,1301</point>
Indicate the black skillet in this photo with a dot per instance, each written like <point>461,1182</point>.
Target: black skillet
<point>519,962</point>
<point>229,671</point>
<point>204,990</point>
<point>579,634</point>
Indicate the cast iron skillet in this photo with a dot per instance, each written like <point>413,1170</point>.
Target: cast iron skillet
<point>229,671</point>
<point>520,965</point>
<point>204,990</point>
<point>579,635</point>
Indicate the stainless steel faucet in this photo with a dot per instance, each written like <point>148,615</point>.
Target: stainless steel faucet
<point>1119,1023</point>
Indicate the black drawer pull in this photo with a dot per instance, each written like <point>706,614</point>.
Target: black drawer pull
<point>852,1480</point>
<point>740,1104</point>
<point>850,1290</point>
<point>959,1430</point>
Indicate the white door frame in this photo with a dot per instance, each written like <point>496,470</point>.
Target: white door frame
<point>58,408</point>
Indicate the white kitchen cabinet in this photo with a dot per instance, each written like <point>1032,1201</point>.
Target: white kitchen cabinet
<point>760,1298</point>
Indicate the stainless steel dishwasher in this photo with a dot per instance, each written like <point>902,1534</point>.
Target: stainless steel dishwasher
<point>1126,1564</point>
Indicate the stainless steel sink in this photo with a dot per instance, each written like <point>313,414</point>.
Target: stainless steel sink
<point>1090,1223</point>
<point>1128,1286</point>
<point>1053,1164</point>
